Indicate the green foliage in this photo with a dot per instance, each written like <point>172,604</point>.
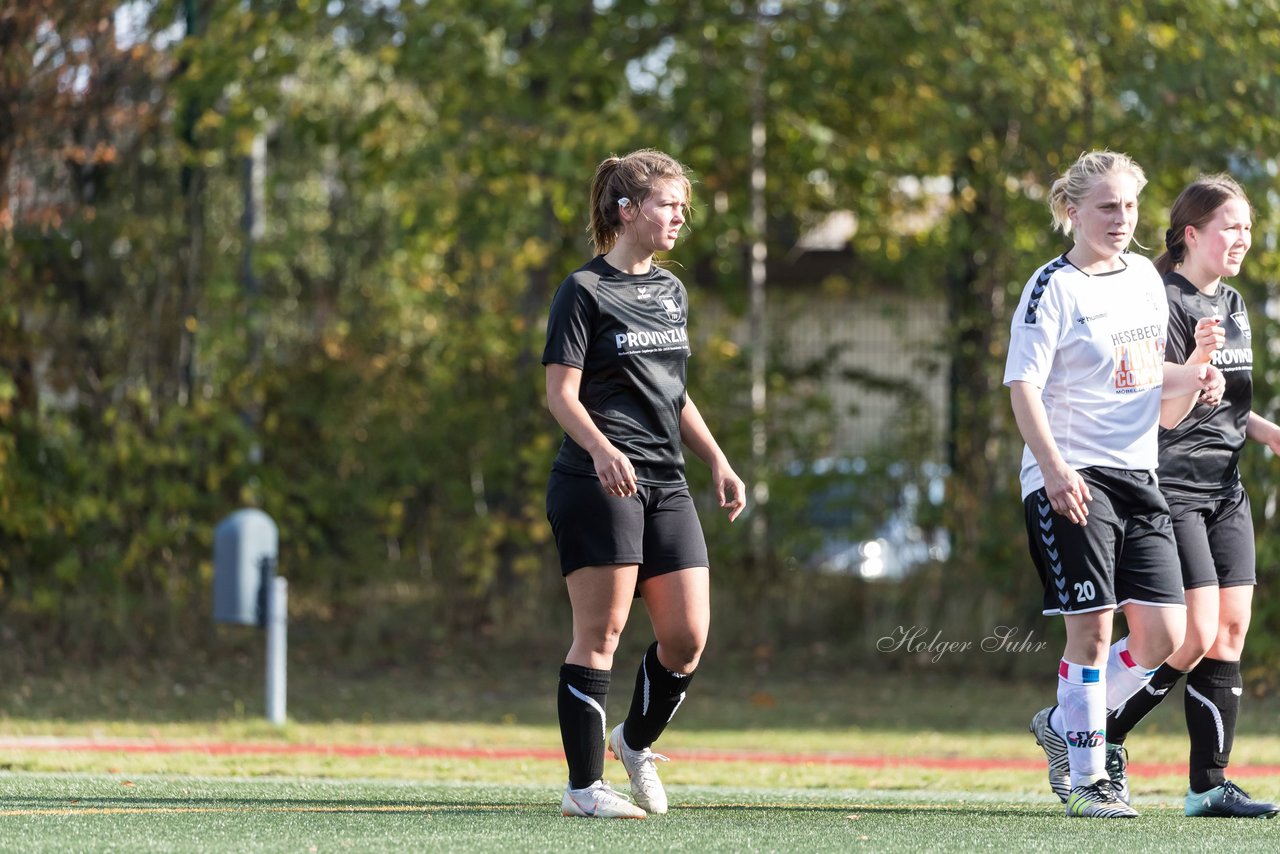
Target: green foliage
<point>114,513</point>
<point>375,385</point>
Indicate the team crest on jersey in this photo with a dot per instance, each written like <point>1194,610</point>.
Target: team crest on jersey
<point>1242,320</point>
<point>673,309</point>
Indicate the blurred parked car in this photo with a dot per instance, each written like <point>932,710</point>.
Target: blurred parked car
<point>880,526</point>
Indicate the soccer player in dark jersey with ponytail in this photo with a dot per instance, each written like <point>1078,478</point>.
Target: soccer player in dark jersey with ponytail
<point>1199,449</point>
<point>624,521</point>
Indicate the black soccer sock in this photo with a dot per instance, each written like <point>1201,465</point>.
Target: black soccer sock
<point>1123,719</point>
<point>1213,704</point>
<point>659,692</point>
<point>581,701</point>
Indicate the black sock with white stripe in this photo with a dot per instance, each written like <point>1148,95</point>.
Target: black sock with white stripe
<point>581,701</point>
<point>1125,717</point>
<point>659,692</point>
<point>1213,704</point>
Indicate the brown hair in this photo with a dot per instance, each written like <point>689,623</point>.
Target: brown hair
<point>630,177</point>
<point>1077,181</point>
<point>1194,207</point>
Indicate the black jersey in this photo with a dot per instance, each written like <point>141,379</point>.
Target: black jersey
<point>629,337</point>
<point>1199,456</point>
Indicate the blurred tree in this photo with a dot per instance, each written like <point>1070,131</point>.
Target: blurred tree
<point>425,182</point>
<point>881,107</point>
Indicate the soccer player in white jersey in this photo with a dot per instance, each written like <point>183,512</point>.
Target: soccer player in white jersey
<point>619,506</point>
<point>1086,374</point>
<point>1210,232</point>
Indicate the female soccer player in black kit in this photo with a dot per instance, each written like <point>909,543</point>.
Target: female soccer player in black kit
<point>624,521</point>
<point>1199,449</point>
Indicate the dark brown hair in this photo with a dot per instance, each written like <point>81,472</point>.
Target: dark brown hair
<point>1194,207</point>
<point>630,177</point>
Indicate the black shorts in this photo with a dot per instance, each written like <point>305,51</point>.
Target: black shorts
<point>1215,540</point>
<point>657,528</point>
<point>1126,554</point>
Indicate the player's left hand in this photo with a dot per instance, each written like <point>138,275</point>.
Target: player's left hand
<point>730,489</point>
<point>1212,386</point>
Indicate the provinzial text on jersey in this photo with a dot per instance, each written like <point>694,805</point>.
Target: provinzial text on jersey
<point>1233,359</point>
<point>650,338</point>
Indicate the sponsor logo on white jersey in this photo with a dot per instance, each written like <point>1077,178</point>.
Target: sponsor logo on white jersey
<point>1139,359</point>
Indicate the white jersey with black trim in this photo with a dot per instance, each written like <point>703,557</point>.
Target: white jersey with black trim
<point>1094,345</point>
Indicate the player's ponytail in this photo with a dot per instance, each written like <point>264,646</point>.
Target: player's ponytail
<point>606,220</point>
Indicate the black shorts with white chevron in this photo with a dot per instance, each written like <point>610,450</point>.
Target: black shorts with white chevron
<point>1125,554</point>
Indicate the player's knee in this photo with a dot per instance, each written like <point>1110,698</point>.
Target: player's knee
<point>1230,639</point>
<point>603,640</point>
<point>1091,652</point>
<point>1198,638</point>
<point>1196,643</point>
<point>681,654</point>
<point>1167,641</point>
<point>1087,647</point>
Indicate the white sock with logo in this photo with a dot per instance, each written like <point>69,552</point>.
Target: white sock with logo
<point>1082,700</point>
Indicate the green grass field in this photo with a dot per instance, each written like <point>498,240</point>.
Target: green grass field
<point>61,812</point>
<point>731,783</point>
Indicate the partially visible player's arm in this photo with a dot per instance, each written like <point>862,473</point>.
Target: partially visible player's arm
<point>617,475</point>
<point>1261,430</point>
<point>1068,493</point>
<point>1176,399</point>
<point>1184,387</point>
<point>695,433</point>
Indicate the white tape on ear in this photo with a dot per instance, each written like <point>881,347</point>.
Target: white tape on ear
<point>623,202</point>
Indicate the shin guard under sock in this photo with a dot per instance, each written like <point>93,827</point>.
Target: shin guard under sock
<point>658,694</point>
<point>1212,704</point>
<point>1082,701</point>
<point>581,701</point>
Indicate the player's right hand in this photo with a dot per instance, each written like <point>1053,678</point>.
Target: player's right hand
<point>617,475</point>
<point>1209,337</point>
<point>1068,495</point>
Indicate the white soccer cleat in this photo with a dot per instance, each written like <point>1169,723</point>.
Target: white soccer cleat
<point>598,801</point>
<point>1098,800</point>
<point>646,788</point>
<point>1055,750</point>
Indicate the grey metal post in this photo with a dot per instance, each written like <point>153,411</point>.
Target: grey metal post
<point>277,647</point>
<point>758,310</point>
